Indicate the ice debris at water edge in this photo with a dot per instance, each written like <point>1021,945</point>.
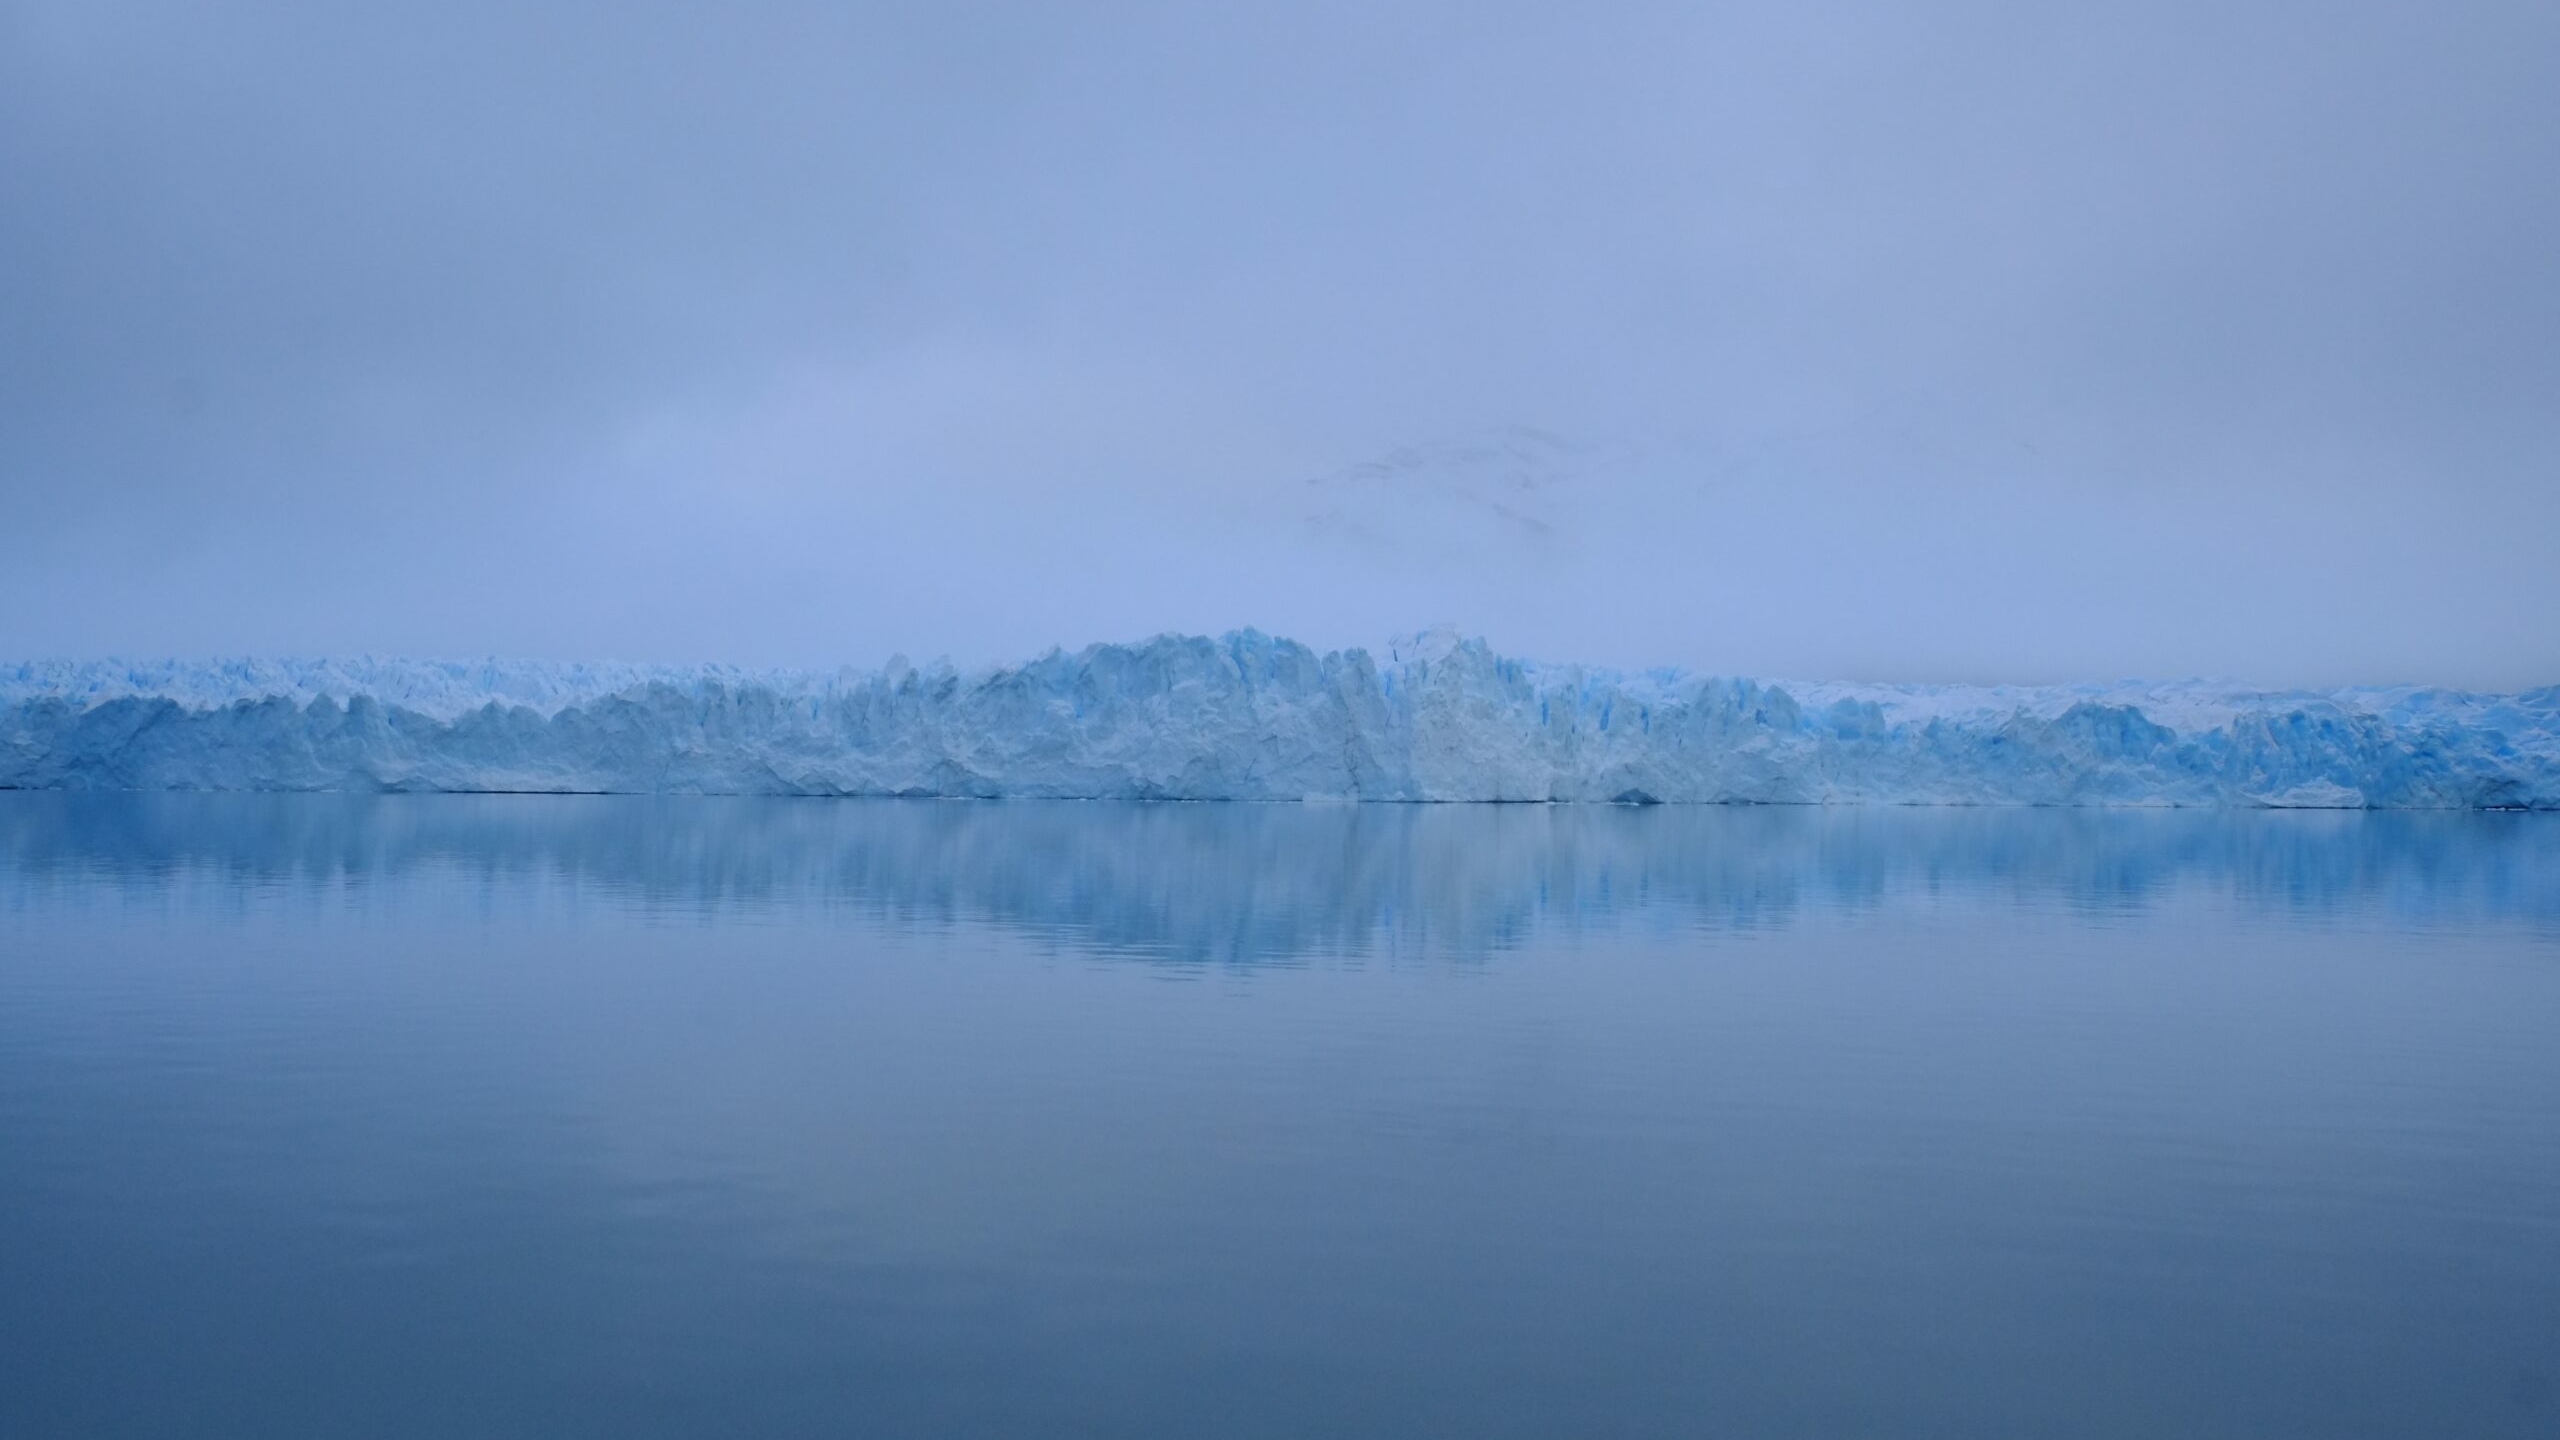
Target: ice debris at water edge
<point>1250,717</point>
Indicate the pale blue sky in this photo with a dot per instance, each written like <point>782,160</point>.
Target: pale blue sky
<point>1962,340</point>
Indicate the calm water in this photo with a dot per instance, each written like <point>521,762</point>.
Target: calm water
<point>494,1117</point>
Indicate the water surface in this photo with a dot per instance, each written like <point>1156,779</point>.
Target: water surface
<point>497,1116</point>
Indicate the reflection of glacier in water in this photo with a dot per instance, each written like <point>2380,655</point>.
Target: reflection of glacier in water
<point>1272,882</point>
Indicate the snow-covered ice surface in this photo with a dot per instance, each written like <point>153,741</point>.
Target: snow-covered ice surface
<point>1250,717</point>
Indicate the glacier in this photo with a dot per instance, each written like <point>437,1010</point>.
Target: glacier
<point>1247,716</point>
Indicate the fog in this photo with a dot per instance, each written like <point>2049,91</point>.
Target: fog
<point>1966,341</point>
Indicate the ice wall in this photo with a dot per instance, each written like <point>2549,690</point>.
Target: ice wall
<point>1249,717</point>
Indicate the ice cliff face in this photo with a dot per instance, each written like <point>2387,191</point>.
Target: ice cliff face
<point>1248,717</point>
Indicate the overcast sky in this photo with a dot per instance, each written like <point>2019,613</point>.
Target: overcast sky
<point>1944,341</point>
